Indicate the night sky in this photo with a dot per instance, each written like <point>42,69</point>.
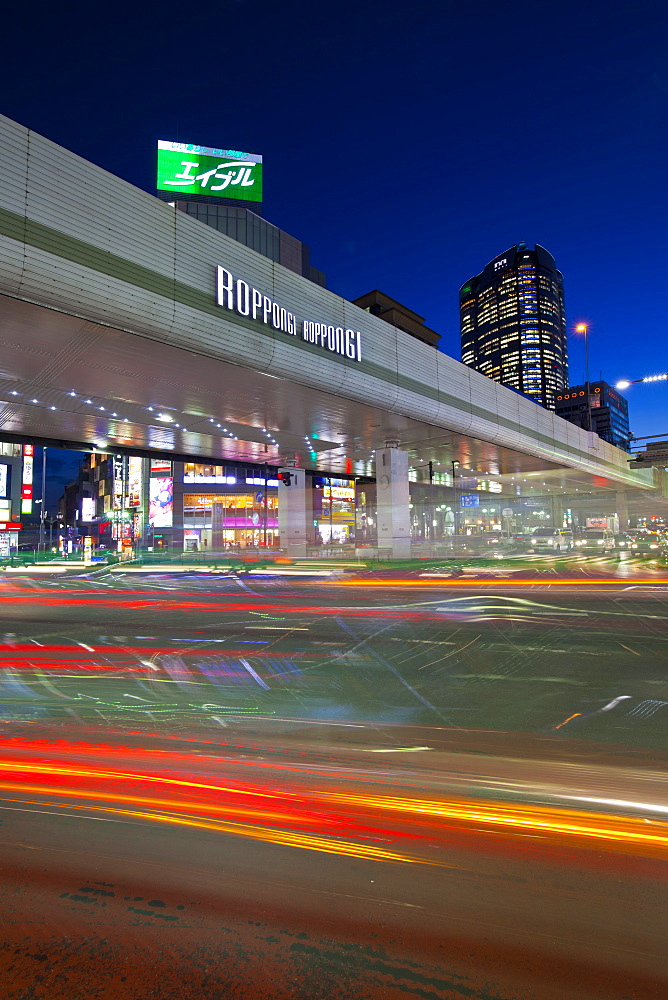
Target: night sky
<point>407,144</point>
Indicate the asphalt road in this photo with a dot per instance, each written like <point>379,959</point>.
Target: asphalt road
<point>362,787</point>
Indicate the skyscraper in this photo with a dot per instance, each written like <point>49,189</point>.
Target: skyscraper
<point>513,323</point>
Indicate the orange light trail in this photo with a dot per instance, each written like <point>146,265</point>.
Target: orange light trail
<point>308,817</point>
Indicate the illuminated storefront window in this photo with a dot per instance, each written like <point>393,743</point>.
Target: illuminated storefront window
<point>223,521</point>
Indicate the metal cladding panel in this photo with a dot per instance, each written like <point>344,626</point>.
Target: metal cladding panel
<point>454,383</point>
<point>61,284</point>
<point>14,147</point>
<point>213,330</point>
<point>413,357</point>
<point>80,200</point>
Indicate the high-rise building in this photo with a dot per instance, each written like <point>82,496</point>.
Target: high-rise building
<point>513,323</point>
<point>608,411</point>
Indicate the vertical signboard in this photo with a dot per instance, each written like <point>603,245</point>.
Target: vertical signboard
<point>88,550</point>
<point>26,480</point>
<point>119,480</point>
<point>135,466</point>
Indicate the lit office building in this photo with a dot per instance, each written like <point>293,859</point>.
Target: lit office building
<point>513,325</point>
<point>609,412</point>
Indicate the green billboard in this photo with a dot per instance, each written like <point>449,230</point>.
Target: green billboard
<point>184,169</point>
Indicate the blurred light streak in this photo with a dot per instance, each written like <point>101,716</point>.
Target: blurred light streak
<point>602,829</point>
<point>573,716</point>
<point>281,838</point>
<point>309,818</point>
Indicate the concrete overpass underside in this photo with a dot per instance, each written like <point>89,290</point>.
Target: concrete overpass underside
<point>65,379</point>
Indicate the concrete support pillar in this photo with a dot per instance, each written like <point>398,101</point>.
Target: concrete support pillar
<point>622,510</point>
<point>392,493</point>
<point>292,511</point>
<point>217,527</point>
<point>177,517</point>
<point>557,511</point>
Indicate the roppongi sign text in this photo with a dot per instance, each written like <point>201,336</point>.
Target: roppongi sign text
<point>240,297</point>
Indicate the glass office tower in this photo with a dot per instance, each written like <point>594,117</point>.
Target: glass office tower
<point>608,411</point>
<point>513,323</point>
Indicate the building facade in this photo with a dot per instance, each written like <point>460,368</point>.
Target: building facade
<point>608,411</point>
<point>379,304</point>
<point>233,205</point>
<point>513,324</point>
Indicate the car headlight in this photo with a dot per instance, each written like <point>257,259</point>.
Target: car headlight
<point>599,541</point>
<point>634,545</point>
<point>550,542</point>
<point>654,546</point>
<point>579,543</point>
<point>621,544</point>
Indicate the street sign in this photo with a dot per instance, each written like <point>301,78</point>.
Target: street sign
<point>507,512</point>
<point>469,500</point>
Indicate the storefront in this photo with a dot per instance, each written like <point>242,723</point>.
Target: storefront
<point>333,511</point>
<point>235,519</point>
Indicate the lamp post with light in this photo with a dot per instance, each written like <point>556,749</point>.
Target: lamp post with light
<point>583,328</point>
<point>455,509</point>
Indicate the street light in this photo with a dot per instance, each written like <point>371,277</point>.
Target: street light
<point>583,329</point>
<point>625,382</point>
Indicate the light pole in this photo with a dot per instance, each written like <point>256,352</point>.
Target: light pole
<point>584,329</point>
<point>455,508</point>
<point>42,515</point>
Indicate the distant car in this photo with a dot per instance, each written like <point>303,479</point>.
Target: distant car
<point>492,538</point>
<point>623,542</point>
<point>646,543</point>
<point>596,540</point>
<point>550,540</point>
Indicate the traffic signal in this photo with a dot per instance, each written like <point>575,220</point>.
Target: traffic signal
<point>286,478</point>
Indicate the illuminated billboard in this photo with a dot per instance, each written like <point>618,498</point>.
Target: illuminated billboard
<point>87,509</point>
<point>185,169</point>
<point>161,502</point>
<point>134,482</point>
<point>4,481</point>
<point>160,465</point>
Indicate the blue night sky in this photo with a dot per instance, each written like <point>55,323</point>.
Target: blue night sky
<point>407,144</point>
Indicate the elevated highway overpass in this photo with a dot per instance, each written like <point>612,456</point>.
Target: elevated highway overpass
<point>125,324</point>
